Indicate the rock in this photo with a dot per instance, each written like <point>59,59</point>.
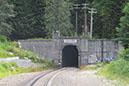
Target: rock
<point>25,63</point>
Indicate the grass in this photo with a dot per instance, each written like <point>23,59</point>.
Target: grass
<point>5,50</point>
<point>5,54</point>
<point>94,66</point>
<point>113,78</point>
<point>117,71</point>
<point>10,49</point>
<point>40,39</point>
<point>113,72</point>
<point>11,68</point>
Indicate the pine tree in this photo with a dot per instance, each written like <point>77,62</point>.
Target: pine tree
<point>123,30</point>
<point>6,11</point>
<point>109,12</point>
<point>58,15</point>
<point>29,19</point>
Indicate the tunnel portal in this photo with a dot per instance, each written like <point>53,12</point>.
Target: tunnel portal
<point>70,56</point>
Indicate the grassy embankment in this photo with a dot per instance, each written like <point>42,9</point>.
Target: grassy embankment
<point>10,49</point>
<point>116,72</point>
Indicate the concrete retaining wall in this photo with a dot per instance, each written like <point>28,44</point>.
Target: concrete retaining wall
<point>89,50</point>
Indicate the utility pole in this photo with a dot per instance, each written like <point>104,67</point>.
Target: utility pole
<point>91,25</point>
<point>76,20</point>
<point>85,19</point>
<point>102,47</point>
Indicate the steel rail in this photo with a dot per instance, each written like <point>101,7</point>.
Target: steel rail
<point>33,81</point>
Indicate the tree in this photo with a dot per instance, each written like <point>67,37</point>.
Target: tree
<point>110,12</point>
<point>29,19</point>
<point>33,19</point>
<point>58,15</point>
<point>123,30</point>
<point>6,11</point>
<point>80,14</point>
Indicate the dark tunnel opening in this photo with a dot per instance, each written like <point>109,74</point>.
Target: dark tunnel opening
<point>70,56</point>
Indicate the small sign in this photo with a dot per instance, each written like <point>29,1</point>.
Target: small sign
<point>71,41</point>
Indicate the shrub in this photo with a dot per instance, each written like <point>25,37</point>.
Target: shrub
<point>124,54</point>
<point>121,65</point>
<point>3,39</point>
<point>40,39</point>
<point>7,47</point>
<point>8,67</point>
<point>30,55</point>
<point>4,54</point>
<point>13,43</point>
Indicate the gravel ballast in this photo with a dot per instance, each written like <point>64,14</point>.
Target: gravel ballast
<point>70,77</point>
<point>20,79</point>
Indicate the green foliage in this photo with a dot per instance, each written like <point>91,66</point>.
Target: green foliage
<point>124,54</point>
<point>119,68</point>
<point>29,19</point>
<point>57,14</point>
<point>7,46</point>
<point>40,39</point>
<point>114,79</point>
<point>5,54</point>
<point>25,53</point>
<point>3,39</point>
<point>8,67</point>
<point>13,43</point>
<point>123,31</point>
<point>107,18</point>
<point>11,68</point>
<point>6,11</point>
<point>9,49</point>
<point>121,65</point>
<point>96,66</point>
<point>38,18</point>
<point>5,50</point>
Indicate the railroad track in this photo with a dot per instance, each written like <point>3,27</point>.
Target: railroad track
<point>46,79</point>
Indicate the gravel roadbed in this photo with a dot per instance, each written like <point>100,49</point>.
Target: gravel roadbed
<point>74,77</point>
<point>70,77</point>
<point>19,79</point>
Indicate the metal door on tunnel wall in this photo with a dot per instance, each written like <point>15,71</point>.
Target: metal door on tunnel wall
<point>70,56</point>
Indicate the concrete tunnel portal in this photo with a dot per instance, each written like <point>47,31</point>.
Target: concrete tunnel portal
<point>70,56</point>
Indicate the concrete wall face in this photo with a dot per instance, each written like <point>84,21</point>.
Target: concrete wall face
<point>89,50</point>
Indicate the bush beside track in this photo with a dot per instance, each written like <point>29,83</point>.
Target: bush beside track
<point>118,70</point>
<point>10,49</point>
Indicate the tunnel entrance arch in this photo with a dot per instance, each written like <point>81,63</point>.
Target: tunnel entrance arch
<point>70,56</point>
